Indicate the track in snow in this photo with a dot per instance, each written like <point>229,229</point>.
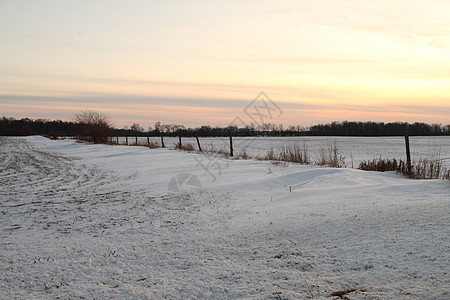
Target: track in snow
<point>69,228</point>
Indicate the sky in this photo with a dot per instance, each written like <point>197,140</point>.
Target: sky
<point>207,62</point>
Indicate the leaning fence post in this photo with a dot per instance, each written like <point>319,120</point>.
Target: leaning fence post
<point>408,154</point>
<point>231,145</point>
<point>198,143</point>
<point>162,142</point>
<point>179,141</point>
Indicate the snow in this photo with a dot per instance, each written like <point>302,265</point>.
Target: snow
<point>98,221</point>
<point>352,150</point>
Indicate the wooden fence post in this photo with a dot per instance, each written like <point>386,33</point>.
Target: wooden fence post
<point>408,154</point>
<point>231,145</point>
<point>198,143</point>
<point>126,140</point>
<point>148,141</point>
<point>162,142</point>
<point>179,141</point>
<point>117,139</point>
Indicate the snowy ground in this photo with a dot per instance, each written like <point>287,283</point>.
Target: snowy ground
<point>97,221</point>
<point>352,150</point>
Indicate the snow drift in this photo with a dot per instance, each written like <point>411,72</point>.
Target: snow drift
<point>98,221</point>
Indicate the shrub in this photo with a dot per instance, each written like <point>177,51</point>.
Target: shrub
<point>95,126</point>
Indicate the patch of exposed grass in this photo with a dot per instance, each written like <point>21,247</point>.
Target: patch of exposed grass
<point>211,150</point>
<point>185,147</point>
<point>292,153</point>
<point>330,157</point>
<point>220,152</point>
<point>297,154</point>
<point>423,169</point>
<point>154,145</point>
<point>382,165</point>
<point>270,155</point>
<point>243,155</point>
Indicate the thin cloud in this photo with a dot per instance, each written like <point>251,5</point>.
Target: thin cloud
<point>303,60</point>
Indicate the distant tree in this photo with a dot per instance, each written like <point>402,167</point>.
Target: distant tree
<point>95,125</point>
<point>158,128</point>
<point>136,128</point>
<point>164,128</point>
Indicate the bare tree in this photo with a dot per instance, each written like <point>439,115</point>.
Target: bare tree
<point>137,128</point>
<point>95,125</point>
<point>165,128</point>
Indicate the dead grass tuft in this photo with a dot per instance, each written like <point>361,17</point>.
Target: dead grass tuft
<point>423,169</point>
<point>154,145</point>
<point>292,153</point>
<point>243,155</point>
<point>330,157</point>
<point>185,147</point>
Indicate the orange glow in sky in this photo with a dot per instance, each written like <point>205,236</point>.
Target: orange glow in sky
<point>202,62</point>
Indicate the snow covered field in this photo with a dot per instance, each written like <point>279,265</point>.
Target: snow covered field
<point>353,150</point>
<point>97,221</point>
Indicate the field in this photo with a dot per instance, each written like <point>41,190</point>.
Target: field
<point>87,221</point>
<point>352,149</point>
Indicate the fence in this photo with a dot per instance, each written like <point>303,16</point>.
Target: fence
<point>159,142</point>
<point>353,149</point>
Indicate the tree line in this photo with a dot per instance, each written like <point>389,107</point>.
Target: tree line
<point>92,124</point>
<point>378,129</point>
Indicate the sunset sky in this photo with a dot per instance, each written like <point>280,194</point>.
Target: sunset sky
<point>203,62</point>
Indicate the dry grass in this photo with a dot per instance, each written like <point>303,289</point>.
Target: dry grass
<point>185,147</point>
<point>423,169</point>
<point>154,145</point>
<point>381,165</point>
<point>330,157</point>
<point>243,155</point>
<point>295,154</point>
<point>210,149</point>
<point>429,169</point>
<point>292,153</point>
<point>270,155</point>
<point>221,152</point>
